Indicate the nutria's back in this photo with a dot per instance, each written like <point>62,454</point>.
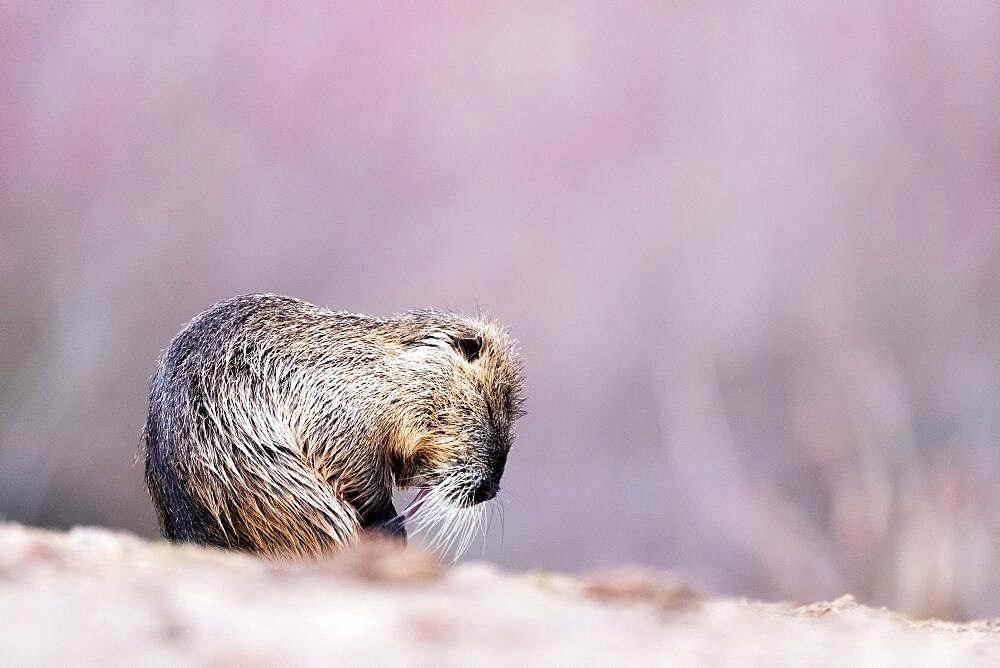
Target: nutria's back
<point>279,427</point>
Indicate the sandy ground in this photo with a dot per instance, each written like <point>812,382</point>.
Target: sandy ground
<point>94,597</point>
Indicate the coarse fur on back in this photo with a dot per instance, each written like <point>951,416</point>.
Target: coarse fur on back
<point>281,428</point>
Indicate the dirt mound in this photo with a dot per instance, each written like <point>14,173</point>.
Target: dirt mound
<point>96,597</point>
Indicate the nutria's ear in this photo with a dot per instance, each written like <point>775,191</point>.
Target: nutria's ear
<point>470,346</point>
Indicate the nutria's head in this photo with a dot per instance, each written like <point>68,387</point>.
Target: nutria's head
<point>459,394</point>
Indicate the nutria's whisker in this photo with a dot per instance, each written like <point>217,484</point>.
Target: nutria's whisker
<point>454,526</point>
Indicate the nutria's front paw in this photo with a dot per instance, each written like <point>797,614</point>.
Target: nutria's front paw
<point>394,529</point>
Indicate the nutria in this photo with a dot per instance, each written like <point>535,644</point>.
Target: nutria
<point>281,428</point>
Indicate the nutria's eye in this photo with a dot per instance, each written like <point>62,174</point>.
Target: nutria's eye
<point>470,346</point>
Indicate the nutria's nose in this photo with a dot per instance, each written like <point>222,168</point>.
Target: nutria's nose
<point>486,491</point>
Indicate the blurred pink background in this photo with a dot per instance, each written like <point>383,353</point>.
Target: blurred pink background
<point>751,252</point>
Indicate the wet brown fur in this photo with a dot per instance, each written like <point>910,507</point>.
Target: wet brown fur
<point>280,428</point>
